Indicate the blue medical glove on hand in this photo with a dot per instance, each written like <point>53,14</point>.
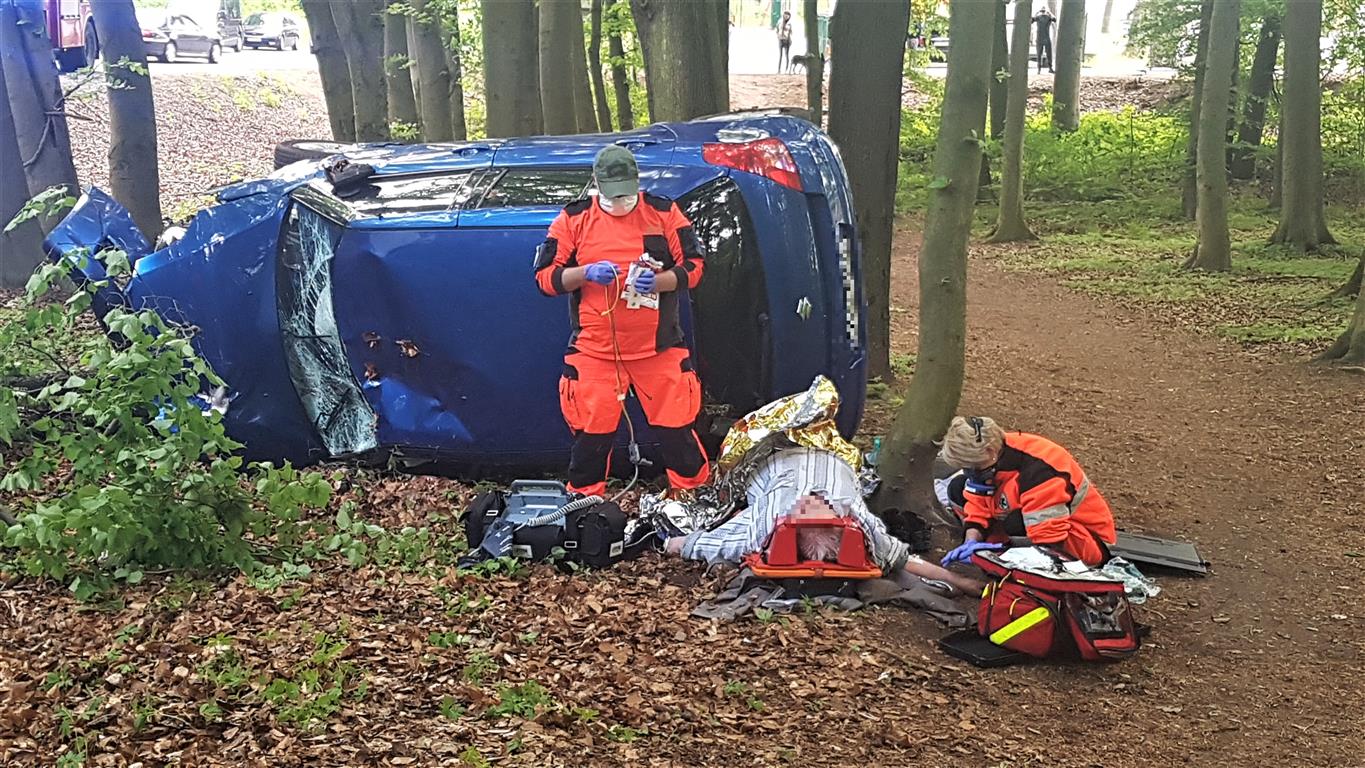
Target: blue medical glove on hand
<point>644,282</point>
<point>963,553</point>
<point>600,272</point>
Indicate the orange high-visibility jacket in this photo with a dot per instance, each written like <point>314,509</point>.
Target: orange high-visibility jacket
<point>1041,489</point>
<point>582,234</point>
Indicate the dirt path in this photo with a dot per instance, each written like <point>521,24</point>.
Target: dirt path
<point>1259,461</point>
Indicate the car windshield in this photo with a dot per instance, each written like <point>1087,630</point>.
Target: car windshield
<point>151,18</point>
<point>264,19</point>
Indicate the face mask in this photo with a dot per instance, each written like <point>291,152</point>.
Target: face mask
<point>618,206</point>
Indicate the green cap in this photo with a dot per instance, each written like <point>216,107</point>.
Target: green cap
<point>616,172</point>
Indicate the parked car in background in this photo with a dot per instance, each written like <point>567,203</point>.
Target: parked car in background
<point>381,302</point>
<point>170,36</point>
<point>272,29</point>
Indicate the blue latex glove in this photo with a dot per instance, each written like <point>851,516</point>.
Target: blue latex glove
<point>644,282</point>
<point>600,272</point>
<point>979,488</point>
<point>963,553</point>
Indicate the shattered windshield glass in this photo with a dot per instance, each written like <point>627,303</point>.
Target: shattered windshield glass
<point>380,196</point>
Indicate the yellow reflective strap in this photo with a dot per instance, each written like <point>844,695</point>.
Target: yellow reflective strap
<point>1022,624</point>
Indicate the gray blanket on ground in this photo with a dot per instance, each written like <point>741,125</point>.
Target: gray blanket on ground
<point>745,592</point>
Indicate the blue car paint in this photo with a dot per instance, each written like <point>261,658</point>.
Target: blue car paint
<point>475,379</point>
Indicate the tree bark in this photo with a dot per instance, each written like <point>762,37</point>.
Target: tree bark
<point>1349,348</point>
<point>557,73</point>
<point>459,128</point>
<point>21,250</point>
<point>1010,225</point>
<point>511,68</point>
<point>1000,64</point>
<point>815,70</point>
<point>1353,284</point>
<point>1108,14</point>
<point>1213,248</point>
<point>868,51</point>
<point>134,176</point>
<point>1303,224</point>
<point>1066,86</point>
<point>584,114</point>
<point>428,53</point>
<point>360,25</point>
<point>332,68</point>
<point>684,62</point>
<point>36,100</point>
<point>1189,193</point>
<point>398,72</point>
<point>937,384</point>
<point>625,112</point>
<point>1260,82</point>
<point>599,86</point>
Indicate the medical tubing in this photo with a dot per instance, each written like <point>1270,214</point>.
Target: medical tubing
<point>549,518</point>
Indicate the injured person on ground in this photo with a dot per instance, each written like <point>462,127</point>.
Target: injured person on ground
<point>804,482</point>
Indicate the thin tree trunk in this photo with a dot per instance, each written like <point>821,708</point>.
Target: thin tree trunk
<point>134,177</point>
<point>398,72</point>
<point>1000,64</point>
<point>1349,348</point>
<point>511,68</point>
<point>1108,14</point>
<point>1010,225</point>
<point>459,128</point>
<point>584,114</point>
<point>1277,183</point>
<point>1260,82</point>
<point>1303,223</point>
<point>815,68</point>
<point>360,25</point>
<point>1213,248</point>
<point>684,62</point>
<point>428,52</point>
<point>864,117</point>
<point>599,86</point>
<point>21,249</point>
<point>721,8</point>
<point>35,100</point>
<point>557,73</point>
<point>332,68</point>
<point>1066,86</point>
<point>1189,193</point>
<point>620,82</point>
<point>937,385</point>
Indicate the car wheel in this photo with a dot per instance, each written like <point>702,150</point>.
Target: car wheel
<point>169,55</point>
<point>215,53</point>
<point>92,45</point>
<point>287,152</point>
<point>294,44</point>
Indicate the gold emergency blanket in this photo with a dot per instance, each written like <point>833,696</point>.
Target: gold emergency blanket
<point>805,419</point>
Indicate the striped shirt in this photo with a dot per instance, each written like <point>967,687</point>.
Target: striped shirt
<point>777,484</point>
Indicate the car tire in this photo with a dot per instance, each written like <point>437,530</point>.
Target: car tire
<point>294,44</point>
<point>279,44</point>
<point>92,45</point>
<point>215,53</point>
<point>168,55</point>
<point>287,152</point>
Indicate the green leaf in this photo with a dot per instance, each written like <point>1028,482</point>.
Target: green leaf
<point>938,182</point>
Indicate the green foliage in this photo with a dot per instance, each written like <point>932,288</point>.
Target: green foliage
<point>314,691</point>
<point>624,734</point>
<point>480,666</point>
<point>450,639</point>
<point>451,708</point>
<point>524,701</point>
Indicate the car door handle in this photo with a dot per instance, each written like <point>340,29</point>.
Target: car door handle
<point>641,141</point>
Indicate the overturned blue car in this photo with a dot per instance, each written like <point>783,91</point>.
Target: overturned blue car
<point>388,310</point>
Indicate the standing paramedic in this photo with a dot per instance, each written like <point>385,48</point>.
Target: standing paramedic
<point>625,335</point>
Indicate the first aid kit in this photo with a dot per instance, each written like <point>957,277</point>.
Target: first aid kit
<point>538,519</point>
<point>634,299</point>
<point>1046,610</point>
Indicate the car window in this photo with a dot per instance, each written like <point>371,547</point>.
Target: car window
<point>255,18</point>
<point>186,23</point>
<point>537,186</point>
<point>380,196</point>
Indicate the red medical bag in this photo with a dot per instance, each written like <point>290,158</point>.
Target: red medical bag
<point>1044,614</point>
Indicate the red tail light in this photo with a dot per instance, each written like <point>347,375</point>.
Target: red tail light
<point>766,157</point>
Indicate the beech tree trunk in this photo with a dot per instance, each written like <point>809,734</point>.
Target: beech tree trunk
<point>599,86</point>
<point>868,50</point>
<point>934,391</point>
<point>1353,283</point>
<point>1010,225</point>
<point>1261,81</point>
<point>134,177</point>
<point>684,60</point>
<point>459,128</point>
<point>584,114</point>
<point>1000,64</point>
<point>21,249</point>
<point>1213,248</point>
<point>360,25</point>
<point>1303,224</point>
<point>332,68</point>
<point>428,52</point>
<point>511,68</point>
<point>1349,348</point>
<point>1189,193</point>
<point>557,73</point>
<point>815,70</point>
<point>36,101</point>
<point>1066,86</point>
<point>398,71</point>
<point>620,81</point>
<point>1108,14</point>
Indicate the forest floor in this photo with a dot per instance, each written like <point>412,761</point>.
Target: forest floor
<point>1247,451</point>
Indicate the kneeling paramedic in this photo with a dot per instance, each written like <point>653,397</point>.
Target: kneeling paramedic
<point>1017,484</point>
<point>800,481</point>
<point>625,329</point>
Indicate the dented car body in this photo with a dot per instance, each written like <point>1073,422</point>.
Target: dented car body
<point>396,314</point>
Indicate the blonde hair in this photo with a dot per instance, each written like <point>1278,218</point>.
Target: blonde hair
<point>969,442</point>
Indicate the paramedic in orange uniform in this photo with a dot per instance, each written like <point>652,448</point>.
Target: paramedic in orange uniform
<point>1018,484</point>
<point>618,341</point>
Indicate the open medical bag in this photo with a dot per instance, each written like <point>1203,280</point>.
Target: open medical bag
<point>543,517</point>
<point>1044,614</point>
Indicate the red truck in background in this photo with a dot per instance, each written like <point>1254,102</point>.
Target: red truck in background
<point>72,32</point>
